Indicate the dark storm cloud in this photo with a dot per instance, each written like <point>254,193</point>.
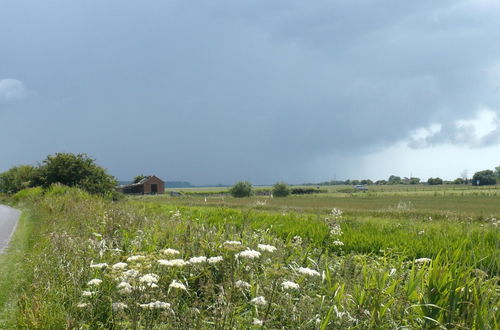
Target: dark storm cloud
<point>259,90</point>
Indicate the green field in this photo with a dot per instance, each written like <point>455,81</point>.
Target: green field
<point>398,257</point>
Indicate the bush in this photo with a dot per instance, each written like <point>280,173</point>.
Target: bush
<point>281,189</point>
<point>484,178</point>
<point>76,171</point>
<point>241,189</point>
<point>435,181</point>
<point>18,178</point>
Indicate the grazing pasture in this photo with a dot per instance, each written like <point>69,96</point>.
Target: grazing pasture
<point>388,259</point>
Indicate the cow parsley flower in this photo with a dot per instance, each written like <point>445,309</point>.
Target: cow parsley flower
<point>120,265</point>
<point>422,260</point>
<point>214,260</point>
<point>172,263</point>
<point>88,293</point>
<point>118,306</point>
<point>308,271</point>
<point>197,260</point>
<point>149,278</point>
<point>289,285</point>
<point>170,252</point>
<point>177,285</point>
<point>267,248</point>
<point>135,258</point>
<point>259,301</point>
<point>94,282</point>
<point>242,284</point>
<point>129,274</point>
<point>338,243</point>
<point>124,287</point>
<point>248,254</point>
<point>232,243</point>
<point>257,322</point>
<point>82,305</point>
<point>99,266</point>
<point>155,305</point>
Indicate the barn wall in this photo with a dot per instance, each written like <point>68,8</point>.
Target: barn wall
<point>154,180</point>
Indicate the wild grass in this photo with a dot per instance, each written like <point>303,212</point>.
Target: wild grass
<point>327,271</point>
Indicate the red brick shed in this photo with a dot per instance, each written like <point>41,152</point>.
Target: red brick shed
<point>149,185</point>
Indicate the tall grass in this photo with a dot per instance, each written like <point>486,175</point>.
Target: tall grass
<point>339,276</point>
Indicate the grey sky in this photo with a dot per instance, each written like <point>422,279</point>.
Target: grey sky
<point>260,90</point>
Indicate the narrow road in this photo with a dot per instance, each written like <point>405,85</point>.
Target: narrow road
<point>8,222</point>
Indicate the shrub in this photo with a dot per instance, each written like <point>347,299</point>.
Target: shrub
<point>241,189</point>
<point>281,189</point>
<point>18,178</point>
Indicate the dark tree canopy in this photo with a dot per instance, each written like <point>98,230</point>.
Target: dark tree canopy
<point>435,181</point>
<point>18,178</point>
<point>281,189</point>
<point>138,178</point>
<point>484,178</point>
<point>76,171</point>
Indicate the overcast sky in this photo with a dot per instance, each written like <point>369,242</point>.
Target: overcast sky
<point>219,91</point>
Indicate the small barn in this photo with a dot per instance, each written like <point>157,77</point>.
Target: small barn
<point>149,185</point>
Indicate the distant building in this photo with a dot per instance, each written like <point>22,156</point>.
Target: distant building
<point>149,185</point>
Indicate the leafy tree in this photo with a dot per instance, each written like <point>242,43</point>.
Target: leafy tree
<point>459,181</point>
<point>414,180</point>
<point>76,171</point>
<point>18,178</point>
<point>138,178</point>
<point>483,178</point>
<point>381,182</point>
<point>435,181</point>
<point>241,189</point>
<point>394,180</point>
<point>281,189</point>
<point>366,181</point>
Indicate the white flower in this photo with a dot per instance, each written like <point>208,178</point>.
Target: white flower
<point>88,293</point>
<point>249,254</point>
<point>422,260</point>
<point>172,263</point>
<point>82,305</point>
<point>257,322</point>
<point>94,282</point>
<point>421,232</point>
<point>149,278</point>
<point>177,285</point>
<point>242,284</point>
<point>118,306</point>
<point>289,285</point>
<point>99,266</point>
<point>259,301</point>
<point>232,243</point>
<point>120,265</point>
<point>155,305</point>
<point>97,235</point>
<point>124,287</point>
<point>170,252</point>
<point>197,260</point>
<point>214,260</point>
<point>308,271</point>
<point>338,243</point>
<point>130,274</point>
<point>392,272</point>
<point>267,248</point>
<point>135,258</point>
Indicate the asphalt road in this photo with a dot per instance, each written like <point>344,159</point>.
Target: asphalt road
<point>8,221</point>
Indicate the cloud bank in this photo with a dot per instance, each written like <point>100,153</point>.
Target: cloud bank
<point>11,90</point>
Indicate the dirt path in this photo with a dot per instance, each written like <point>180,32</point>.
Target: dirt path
<point>8,222</point>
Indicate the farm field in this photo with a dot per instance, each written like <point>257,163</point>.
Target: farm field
<point>388,259</point>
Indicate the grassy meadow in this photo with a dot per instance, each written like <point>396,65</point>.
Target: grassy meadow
<point>386,259</point>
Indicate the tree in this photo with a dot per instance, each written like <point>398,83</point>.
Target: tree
<point>435,181</point>
<point>76,171</point>
<point>394,180</point>
<point>497,169</point>
<point>241,189</point>
<point>281,189</point>
<point>138,178</point>
<point>18,178</point>
<point>414,180</point>
<point>483,178</point>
